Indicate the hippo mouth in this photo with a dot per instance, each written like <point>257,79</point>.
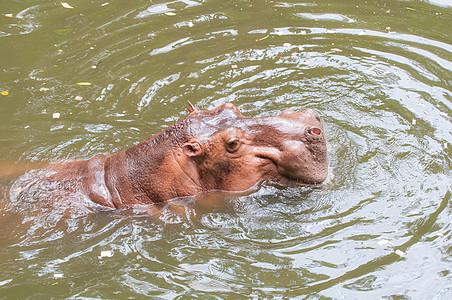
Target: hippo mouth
<point>283,178</point>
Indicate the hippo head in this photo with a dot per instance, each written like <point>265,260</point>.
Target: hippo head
<point>221,149</point>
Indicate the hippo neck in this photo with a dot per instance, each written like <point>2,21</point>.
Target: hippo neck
<point>151,171</point>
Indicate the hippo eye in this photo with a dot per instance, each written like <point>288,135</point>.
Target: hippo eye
<point>233,145</point>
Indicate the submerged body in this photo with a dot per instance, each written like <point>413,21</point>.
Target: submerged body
<point>215,150</point>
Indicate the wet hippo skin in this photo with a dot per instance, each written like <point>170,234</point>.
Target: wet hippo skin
<point>213,150</point>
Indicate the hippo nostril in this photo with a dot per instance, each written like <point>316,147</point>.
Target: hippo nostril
<point>315,131</point>
<point>288,114</point>
<point>311,114</point>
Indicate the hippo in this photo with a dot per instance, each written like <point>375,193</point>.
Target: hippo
<point>211,150</point>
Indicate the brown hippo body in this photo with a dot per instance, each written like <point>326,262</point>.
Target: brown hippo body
<point>215,150</point>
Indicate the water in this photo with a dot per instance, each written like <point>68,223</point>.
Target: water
<point>378,72</point>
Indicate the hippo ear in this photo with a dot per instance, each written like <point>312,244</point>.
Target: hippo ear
<point>192,149</point>
<point>191,107</point>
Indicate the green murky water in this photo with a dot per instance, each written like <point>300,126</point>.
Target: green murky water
<point>380,74</point>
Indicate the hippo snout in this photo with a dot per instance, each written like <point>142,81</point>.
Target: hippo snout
<point>303,153</point>
<point>309,118</point>
<point>303,162</point>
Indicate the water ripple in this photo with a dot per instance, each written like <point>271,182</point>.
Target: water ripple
<point>384,94</point>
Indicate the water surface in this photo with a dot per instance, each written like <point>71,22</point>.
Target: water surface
<point>378,72</point>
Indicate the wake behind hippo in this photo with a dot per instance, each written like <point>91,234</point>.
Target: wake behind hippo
<point>214,150</point>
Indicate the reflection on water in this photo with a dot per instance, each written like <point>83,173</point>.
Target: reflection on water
<point>379,74</point>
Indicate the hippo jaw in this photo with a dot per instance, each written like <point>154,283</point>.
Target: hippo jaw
<point>313,174</point>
